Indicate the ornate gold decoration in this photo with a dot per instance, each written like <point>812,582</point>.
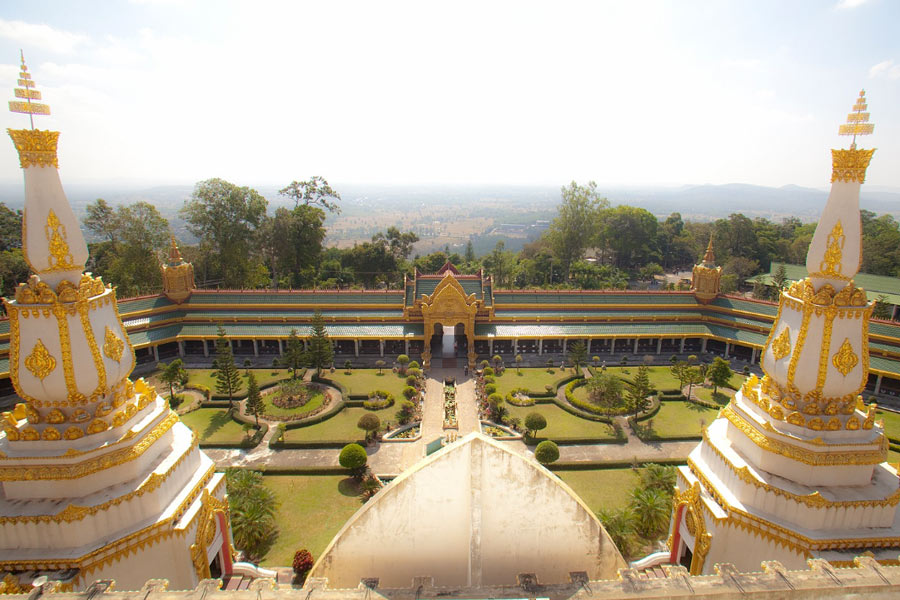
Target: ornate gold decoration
<point>845,359</point>
<point>50,433</point>
<point>60,258</point>
<point>76,513</point>
<point>808,457</point>
<point>97,426</point>
<point>831,265</point>
<point>690,500</point>
<point>10,585</point>
<point>29,93</point>
<point>73,433</point>
<point>36,148</point>
<point>56,416</point>
<point>207,524</point>
<point>93,465</point>
<point>850,165</point>
<point>40,363</point>
<point>781,347</point>
<point>38,292</point>
<point>99,367</point>
<point>112,345</point>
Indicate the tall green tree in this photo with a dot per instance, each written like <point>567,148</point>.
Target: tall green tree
<point>102,219</point>
<point>321,353</point>
<point>253,509</point>
<point>294,355</point>
<point>225,217</point>
<point>605,391</point>
<point>574,228</point>
<point>254,405</point>
<point>501,264</point>
<point>652,509</point>
<point>313,192</point>
<point>228,378</point>
<point>719,373</point>
<point>577,355</point>
<point>172,374</point>
<point>638,390</point>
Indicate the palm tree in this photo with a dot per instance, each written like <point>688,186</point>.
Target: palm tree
<point>252,527</point>
<point>652,509</point>
<point>658,477</point>
<point>619,524</point>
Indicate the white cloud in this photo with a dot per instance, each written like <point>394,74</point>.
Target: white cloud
<point>842,4</point>
<point>41,36</point>
<point>885,68</point>
<point>749,64</point>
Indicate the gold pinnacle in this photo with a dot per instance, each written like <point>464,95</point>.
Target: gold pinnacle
<point>28,93</point>
<point>857,121</point>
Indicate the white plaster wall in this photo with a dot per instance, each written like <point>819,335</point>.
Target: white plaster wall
<point>472,514</point>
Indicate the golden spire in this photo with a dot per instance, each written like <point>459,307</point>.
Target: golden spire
<point>174,253</point>
<point>29,93</point>
<point>857,121</point>
<point>709,259</point>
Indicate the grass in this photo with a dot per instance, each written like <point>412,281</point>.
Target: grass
<point>891,423</point>
<point>363,381</point>
<point>340,427</point>
<point>602,488</point>
<point>311,510</point>
<point>706,394</point>
<point>533,379</point>
<point>207,378</point>
<point>215,426</point>
<point>317,397</point>
<point>562,425</point>
<point>677,419</point>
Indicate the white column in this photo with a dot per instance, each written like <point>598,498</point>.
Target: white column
<point>205,348</point>
<point>612,346</point>
<point>681,351</point>
<point>181,349</point>
<point>636,345</point>
<point>515,346</point>
<point>703,347</point>
<point>727,349</point>
<point>894,312</point>
<point>280,348</point>
<point>878,385</point>
<point>754,355</point>
<point>381,347</point>
<point>356,347</point>
<point>659,346</point>
<point>231,345</point>
<point>565,345</point>
<point>540,346</point>
<point>406,347</point>
<point>156,353</point>
<point>490,347</point>
<point>255,348</point>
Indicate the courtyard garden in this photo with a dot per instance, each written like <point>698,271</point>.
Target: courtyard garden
<point>360,382</point>
<point>294,399</point>
<point>676,419</point>
<point>532,379</point>
<point>341,427</point>
<point>216,427</point>
<point>563,426</point>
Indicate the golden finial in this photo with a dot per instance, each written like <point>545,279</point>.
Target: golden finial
<point>857,121</point>
<point>174,253</point>
<point>709,258</point>
<point>27,91</point>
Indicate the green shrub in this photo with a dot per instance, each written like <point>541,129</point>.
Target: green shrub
<point>353,457</point>
<point>490,388</point>
<point>546,452</point>
<point>200,388</point>
<point>488,372</point>
<point>412,365</point>
<point>534,422</point>
<point>412,380</point>
<point>409,392</point>
<point>379,399</point>
<point>370,423</point>
<point>415,372</point>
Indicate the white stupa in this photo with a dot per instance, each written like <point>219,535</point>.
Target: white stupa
<point>793,468</point>
<point>98,477</point>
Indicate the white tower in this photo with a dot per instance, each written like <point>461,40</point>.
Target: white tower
<point>98,478</point>
<point>792,469</point>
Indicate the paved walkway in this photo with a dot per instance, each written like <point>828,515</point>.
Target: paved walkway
<point>391,458</point>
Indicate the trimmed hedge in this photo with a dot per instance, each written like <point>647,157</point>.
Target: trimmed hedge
<point>318,445</point>
<point>575,441</point>
<point>251,442</point>
<point>386,399</point>
<point>613,464</point>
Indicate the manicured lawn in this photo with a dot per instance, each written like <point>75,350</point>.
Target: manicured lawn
<point>680,419</point>
<point>602,488</point>
<point>311,510</point>
<point>893,457</point>
<point>562,425</point>
<point>215,426</point>
<point>706,394</point>
<point>264,377</point>
<point>891,423</point>
<point>532,379</point>
<point>317,397</point>
<point>364,381</point>
<point>340,427</point>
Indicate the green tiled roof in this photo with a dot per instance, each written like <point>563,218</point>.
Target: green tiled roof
<point>150,336</point>
<point>487,296</point>
<point>762,308</point>
<point>738,335</point>
<point>875,285</point>
<point>427,286</point>
<point>886,329</point>
<point>140,304</point>
<point>622,330</point>
<point>213,314</point>
<point>297,298</point>
<point>410,295</point>
<point>884,364</point>
<point>583,297</point>
<point>590,313</point>
<point>4,327</point>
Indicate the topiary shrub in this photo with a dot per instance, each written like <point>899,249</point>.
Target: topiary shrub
<point>412,365</point>
<point>379,399</point>
<point>413,372</point>
<point>303,562</point>
<point>370,423</point>
<point>490,388</point>
<point>546,452</point>
<point>489,379</point>
<point>488,372</point>
<point>409,392</point>
<point>353,457</point>
<point>534,422</point>
<point>412,380</point>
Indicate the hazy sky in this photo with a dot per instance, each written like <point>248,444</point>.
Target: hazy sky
<point>517,92</point>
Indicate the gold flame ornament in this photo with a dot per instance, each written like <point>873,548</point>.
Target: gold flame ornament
<point>40,363</point>
<point>112,345</point>
<point>845,359</point>
<point>781,347</point>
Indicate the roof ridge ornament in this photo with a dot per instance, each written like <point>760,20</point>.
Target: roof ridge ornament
<point>28,92</point>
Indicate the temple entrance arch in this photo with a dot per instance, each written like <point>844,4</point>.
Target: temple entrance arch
<point>452,312</point>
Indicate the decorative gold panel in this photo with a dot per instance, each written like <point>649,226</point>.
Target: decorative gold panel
<point>112,345</point>
<point>781,347</point>
<point>36,148</point>
<point>845,359</point>
<point>40,363</point>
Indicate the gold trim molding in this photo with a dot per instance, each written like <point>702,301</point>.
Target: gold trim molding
<point>850,165</point>
<point>36,148</point>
